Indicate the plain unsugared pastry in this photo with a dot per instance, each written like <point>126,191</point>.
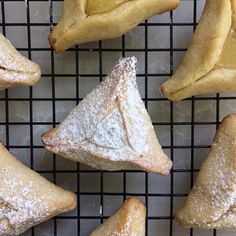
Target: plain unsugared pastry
<point>209,65</point>
<point>26,198</point>
<point>16,70</point>
<point>212,200</point>
<point>129,220</point>
<point>92,20</point>
<point>111,129</point>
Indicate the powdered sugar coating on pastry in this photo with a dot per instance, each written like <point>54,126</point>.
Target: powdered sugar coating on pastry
<point>212,200</point>
<point>26,198</point>
<point>16,70</point>
<point>111,129</point>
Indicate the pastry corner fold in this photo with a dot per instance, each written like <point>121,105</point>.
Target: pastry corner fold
<point>85,21</point>
<point>16,70</point>
<point>209,65</point>
<point>128,220</point>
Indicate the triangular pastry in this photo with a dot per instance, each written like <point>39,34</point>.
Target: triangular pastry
<point>209,65</point>
<point>111,129</point>
<point>26,198</point>
<point>92,20</point>
<point>16,70</point>
<point>212,200</point>
<point>129,220</point>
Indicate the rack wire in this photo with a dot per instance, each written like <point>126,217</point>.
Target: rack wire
<point>41,107</point>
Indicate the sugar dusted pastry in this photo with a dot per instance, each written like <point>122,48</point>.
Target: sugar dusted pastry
<point>15,70</point>
<point>26,198</point>
<point>92,20</point>
<point>110,129</point>
<point>209,65</point>
<point>129,220</point>
<point>212,201</point>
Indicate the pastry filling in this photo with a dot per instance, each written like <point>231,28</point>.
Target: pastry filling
<point>102,6</point>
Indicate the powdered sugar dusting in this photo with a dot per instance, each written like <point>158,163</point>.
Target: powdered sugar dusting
<point>212,201</point>
<point>138,123</point>
<point>111,122</point>
<point>110,132</point>
<point>14,67</point>
<point>26,198</point>
<point>23,209</point>
<point>102,116</point>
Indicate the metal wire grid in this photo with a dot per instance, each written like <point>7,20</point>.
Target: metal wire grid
<point>80,171</point>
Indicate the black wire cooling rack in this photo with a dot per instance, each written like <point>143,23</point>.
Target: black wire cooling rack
<point>97,197</point>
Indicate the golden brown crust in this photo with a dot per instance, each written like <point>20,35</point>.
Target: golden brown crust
<point>128,220</point>
<point>209,64</point>
<point>26,198</point>
<point>212,200</point>
<point>76,27</point>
